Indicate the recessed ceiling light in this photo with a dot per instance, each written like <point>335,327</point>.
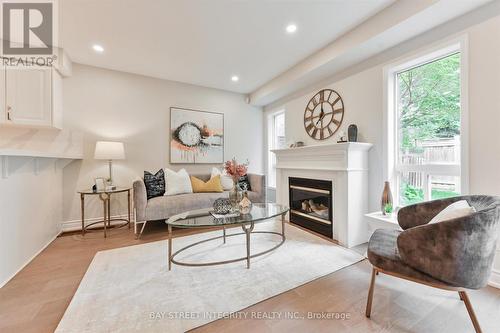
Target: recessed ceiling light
<point>291,28</point>
<point>98,48</point>
<point>234,78</point>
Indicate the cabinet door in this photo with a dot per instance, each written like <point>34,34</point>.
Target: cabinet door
<point>28,96</point>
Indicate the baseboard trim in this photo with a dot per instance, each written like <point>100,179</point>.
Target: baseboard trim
<point>75,225</point>
<point>3,283</point>
<point>495,279</point>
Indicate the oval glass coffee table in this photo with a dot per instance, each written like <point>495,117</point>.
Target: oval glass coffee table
<point>203,219</point>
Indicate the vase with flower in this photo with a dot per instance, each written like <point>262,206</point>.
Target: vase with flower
<point>236,171</point>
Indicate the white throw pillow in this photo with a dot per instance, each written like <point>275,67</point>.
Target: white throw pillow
<point>457,209</point>
<point>225,180</point>
<point>177,182</point>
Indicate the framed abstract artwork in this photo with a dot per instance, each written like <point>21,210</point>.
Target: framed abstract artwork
<point>196,137</point>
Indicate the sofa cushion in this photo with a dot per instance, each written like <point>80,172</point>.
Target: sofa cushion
<point>244,183</point>
<point>213,185</point>
<point>226,181</point>
<point>155,184</point>
<point>454,210</point>
<point>254,197</point>
<point>160,208</point>
<point>177,182</point>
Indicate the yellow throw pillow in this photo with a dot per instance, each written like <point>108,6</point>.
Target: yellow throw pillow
<point>213,185</point>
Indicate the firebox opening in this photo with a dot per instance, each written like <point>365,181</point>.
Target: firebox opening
<point>311,204</point>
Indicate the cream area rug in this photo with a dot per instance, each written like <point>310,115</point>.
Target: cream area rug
<point>131,290</point>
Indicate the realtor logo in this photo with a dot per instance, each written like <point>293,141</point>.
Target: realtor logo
<point>27,28</point>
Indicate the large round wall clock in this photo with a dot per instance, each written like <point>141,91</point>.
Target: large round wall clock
<point>324,114</point>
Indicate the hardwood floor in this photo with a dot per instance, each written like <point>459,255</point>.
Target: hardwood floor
<point>35,300</point>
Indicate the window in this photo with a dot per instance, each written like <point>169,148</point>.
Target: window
<point>276,140</point>
<point>426,127</point>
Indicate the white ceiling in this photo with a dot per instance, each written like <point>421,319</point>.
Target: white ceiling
<point>206,42</point>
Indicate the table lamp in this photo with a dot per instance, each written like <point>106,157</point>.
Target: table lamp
<point>108,150</point>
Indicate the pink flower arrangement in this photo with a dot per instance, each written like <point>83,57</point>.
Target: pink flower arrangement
<point>235,170</point>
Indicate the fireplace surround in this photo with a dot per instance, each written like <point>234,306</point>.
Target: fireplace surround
<point>345,167</point>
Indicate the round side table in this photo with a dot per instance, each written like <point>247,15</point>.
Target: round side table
<point>105,197</point>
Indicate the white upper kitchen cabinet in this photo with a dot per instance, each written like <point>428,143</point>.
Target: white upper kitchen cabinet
<point>28,96</point>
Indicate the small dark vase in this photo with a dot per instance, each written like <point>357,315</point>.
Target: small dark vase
<point>352,133</point>
<point>386,204</point>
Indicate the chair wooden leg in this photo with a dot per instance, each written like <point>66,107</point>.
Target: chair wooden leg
<point>472,315</point>
<point>370,294</point>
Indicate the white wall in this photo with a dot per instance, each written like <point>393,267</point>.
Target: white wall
<point>363,100</point>
<point>30,206</point>
<point>484,113</point>
<point>111,105</point>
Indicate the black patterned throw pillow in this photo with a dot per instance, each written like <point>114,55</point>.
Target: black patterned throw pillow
<point>244,183</point>
<point>155,184</point>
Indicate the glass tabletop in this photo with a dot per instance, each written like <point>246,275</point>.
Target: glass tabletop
<point>117,189</point>
<point>204,218</point>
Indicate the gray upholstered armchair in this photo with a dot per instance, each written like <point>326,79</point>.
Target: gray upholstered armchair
<point>456,254</point>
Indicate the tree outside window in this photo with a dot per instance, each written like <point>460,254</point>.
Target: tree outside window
<point>428,102</point>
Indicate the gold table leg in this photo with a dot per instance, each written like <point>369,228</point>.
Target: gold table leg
<point>248,231</point>
<point>169,247</point>
<point>82,202</point>
<point>109,210</point>
<point>283,225</point>
<point>128,202</point>
<point>105,200</point>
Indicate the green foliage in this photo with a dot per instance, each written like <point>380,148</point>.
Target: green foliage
<point>388,208</point>
<point>411,195</point>
<point>429,102</point>
<point>440,194</point>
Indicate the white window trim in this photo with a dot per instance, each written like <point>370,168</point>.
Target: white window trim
<point>270,140</point>
<point>420,57</point>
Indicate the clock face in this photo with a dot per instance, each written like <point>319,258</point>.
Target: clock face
<point>324,114</point>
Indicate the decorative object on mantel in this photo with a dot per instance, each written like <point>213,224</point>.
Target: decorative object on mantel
<point>342,138</point>
<point>222,206</point>
<point>352,133</point>
<point>386,204</point>
<point>108,150</point>
<point>236,171</point>
<point>245,204</point>
<point>297,144</point>
<point>197,137</point>
<point>323,114</point>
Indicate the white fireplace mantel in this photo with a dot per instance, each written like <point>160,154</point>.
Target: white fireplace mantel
<point>347,156</point>
<point>346,166</point>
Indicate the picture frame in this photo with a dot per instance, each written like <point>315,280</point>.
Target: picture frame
<point>100,184</point>
<point>196,136</point>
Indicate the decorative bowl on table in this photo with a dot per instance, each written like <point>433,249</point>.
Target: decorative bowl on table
<point>222,206</point>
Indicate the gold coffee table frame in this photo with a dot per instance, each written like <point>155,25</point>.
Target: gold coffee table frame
<point>247,231</point>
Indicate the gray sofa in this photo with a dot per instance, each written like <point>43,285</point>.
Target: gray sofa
<point>161,208</point>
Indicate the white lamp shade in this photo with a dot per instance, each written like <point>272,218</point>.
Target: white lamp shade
<point>107,150</point>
